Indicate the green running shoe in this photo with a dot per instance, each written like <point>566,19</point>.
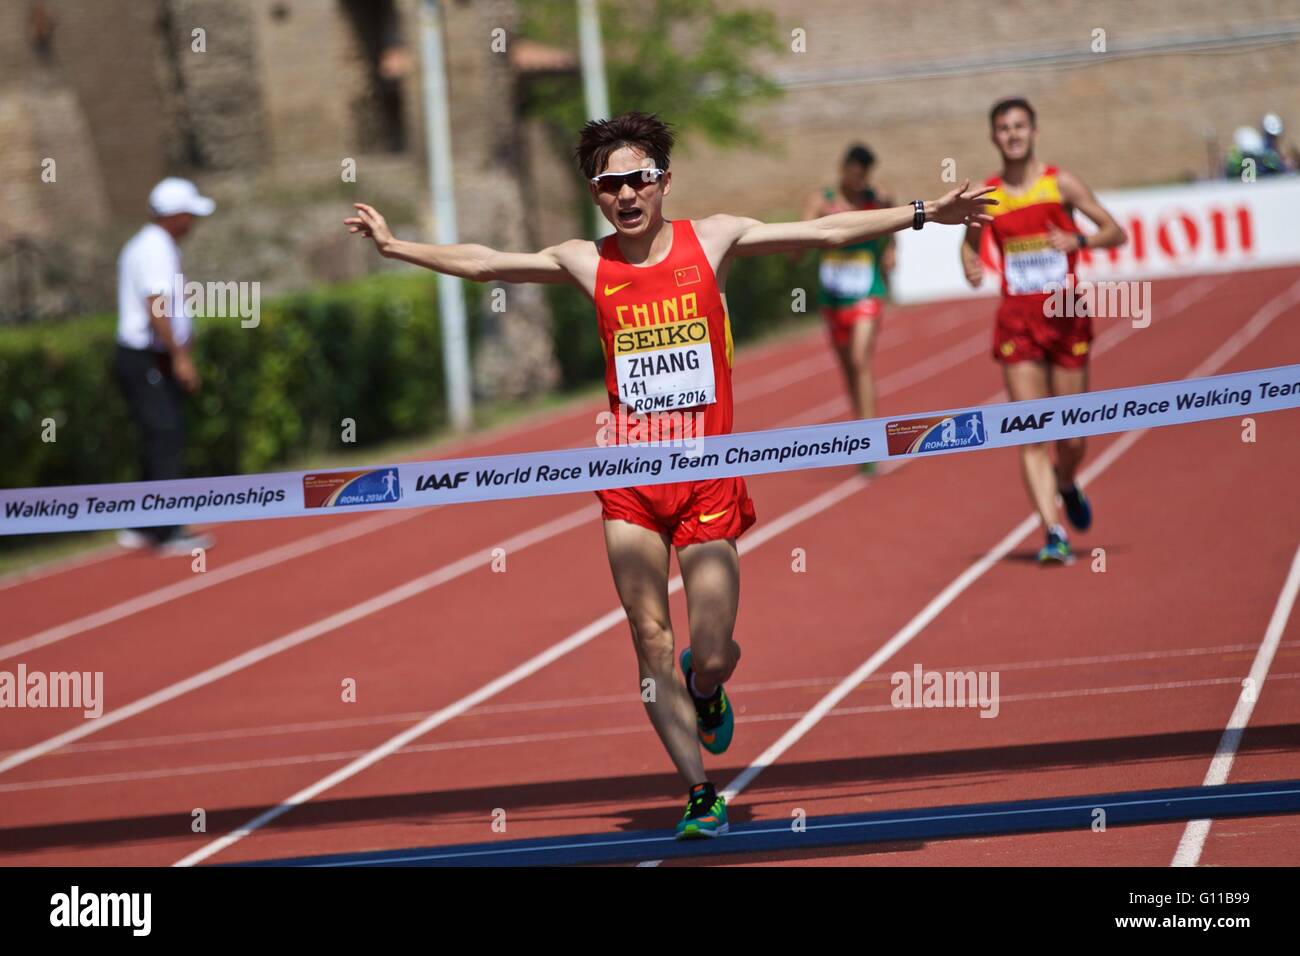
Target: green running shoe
<point>1056,551</point>
<point>705,816</point>
<point>714,721</point>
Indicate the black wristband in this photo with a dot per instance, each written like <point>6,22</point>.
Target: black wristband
<point>918,214</point>
<point>1082,240</point>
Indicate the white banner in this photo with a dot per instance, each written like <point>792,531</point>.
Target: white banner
<point>424,483</point>
<point>1221,226</point>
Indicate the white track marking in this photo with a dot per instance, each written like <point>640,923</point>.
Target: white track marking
<point>309,632</point>
<point>1196,832</point>
<point>604,700</point>
<point>199,582</point>
<point>584,733</point>
<point>59,565</point>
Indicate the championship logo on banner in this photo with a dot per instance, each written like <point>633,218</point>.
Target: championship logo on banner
<point>939,433</point>
<point>337,488</point>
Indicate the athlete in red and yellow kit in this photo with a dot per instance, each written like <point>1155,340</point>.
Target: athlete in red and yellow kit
<point>1042,353</point>
<point>658,289</point>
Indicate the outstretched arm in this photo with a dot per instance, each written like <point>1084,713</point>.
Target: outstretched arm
<point>754,238</point>
<point>466,260</point>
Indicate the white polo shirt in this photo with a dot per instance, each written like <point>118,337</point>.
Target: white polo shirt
<point>150,264</point>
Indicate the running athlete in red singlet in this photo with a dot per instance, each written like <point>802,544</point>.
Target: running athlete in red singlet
<point>1042,354</point>
<point>667,342</point>
<point>657,285</point>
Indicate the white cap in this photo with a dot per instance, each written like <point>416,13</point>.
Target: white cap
<point>174,195</point>
<point>1272,124</point>
<point>1248,140</point>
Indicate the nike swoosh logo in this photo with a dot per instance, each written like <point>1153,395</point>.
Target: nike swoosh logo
<point>705,519</point>
<point>610,290</point>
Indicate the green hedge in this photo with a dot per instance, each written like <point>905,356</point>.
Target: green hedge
<point>368,350</point>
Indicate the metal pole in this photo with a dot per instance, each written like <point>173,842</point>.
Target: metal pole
<point>451,296</point>
<point>594,87</point>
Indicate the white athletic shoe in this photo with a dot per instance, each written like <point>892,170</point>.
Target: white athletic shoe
<point>133,540</point>
<point>184,544</point>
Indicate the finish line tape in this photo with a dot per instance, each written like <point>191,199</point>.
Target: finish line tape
<point>456,481</point>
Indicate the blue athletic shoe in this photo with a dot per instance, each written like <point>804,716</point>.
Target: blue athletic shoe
<point>1077,508</point>
<point>1056,551</point>
<point>714,721</point>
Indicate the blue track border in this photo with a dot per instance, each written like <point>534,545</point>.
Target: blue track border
<point>934,823</point>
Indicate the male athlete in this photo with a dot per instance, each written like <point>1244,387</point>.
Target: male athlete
<point>657,285</point>
<point>853,279</point>
<point>1041,355</point>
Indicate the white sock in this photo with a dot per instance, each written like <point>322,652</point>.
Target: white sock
<point>1059,531</point>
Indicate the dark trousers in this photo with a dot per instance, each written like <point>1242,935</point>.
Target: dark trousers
<point>157,405</point>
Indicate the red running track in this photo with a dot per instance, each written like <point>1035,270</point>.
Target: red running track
<point>1110,681</point>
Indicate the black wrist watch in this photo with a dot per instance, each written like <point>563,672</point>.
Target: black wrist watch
<point>1082,240</point>
<point>918,216</point>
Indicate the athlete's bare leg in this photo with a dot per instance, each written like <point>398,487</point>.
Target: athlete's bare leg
<point>711,575</point>
<point>1027,381</point>
<point>845,354</point>
<point>639,559</point>
<point>855,360</point>
<point>1069,451</point>
<point>862,349</point>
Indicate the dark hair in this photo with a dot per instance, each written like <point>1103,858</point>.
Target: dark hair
<point>601,138</point>
<point>861,154</point>
<point>1011,103</point>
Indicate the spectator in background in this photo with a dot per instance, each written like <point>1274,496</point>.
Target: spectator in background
<point>1248,144</point>
<point>1271,125</point>
<point>152,364</point>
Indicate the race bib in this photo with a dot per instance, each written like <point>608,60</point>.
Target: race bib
<point>847,275</point>
<point>665,367</point>
<point>1032,266</point>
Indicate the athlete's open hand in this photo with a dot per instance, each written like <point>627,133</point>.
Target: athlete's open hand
<point>369,223</point>
<point>962,206</point>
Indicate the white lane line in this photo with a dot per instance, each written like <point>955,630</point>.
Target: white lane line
<point>58,565</point>
<point>302,635</point>
<point>604,700</point>
<point>583,733</point>
<point>1196,832</point>
<point>199,582</point>
<point>1260,321</point>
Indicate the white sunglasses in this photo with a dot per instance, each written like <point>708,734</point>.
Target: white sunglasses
<point>614,182</point>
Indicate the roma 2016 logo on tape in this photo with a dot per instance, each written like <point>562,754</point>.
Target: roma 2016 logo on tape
<point>337,488</point>
<point>937,433</point>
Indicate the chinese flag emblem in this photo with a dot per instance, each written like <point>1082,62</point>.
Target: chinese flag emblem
<point>688,276</point>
